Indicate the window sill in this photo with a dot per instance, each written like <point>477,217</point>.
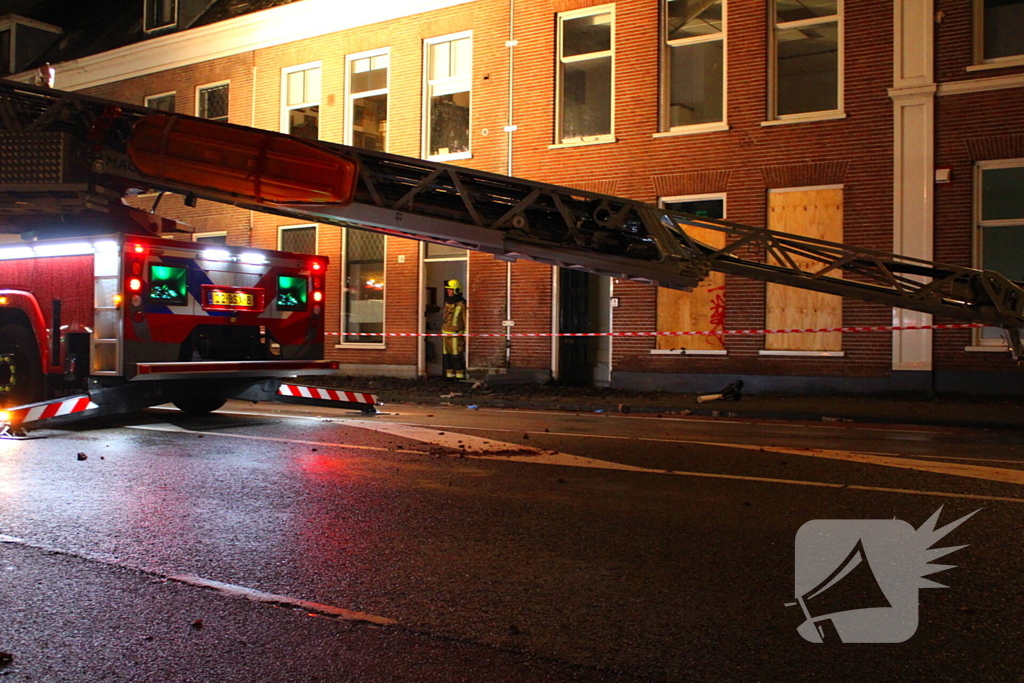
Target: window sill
<point>806,118</point>
<point>357,345</point>
<point>986,349</point>
<point>716,127</point>
<point>688,352</point>
<point>602,140</point>
<point>803,354</point>
<point>1002,63</point>
<point>445,158</point>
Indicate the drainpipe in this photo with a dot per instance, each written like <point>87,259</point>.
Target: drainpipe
<point>510,128</point>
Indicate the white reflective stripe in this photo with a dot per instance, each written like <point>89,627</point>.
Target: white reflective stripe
<point>304,392</point>
<point>67,407</point>
<point>34,413</point>
<point>286,390</point>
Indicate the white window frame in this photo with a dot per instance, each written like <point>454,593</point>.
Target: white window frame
<point>210,86</point>
<point>145,18</point>
<point>560,61</point>
<point>825,115</point>
<point>427,83</point>
<point>977,342</point>
<point>351,96</point>
<point>285,107</point>
<point>671,199</point>
<point>978,47</point>
<point>764,306</point>
<point>281,229</point>
<point>215,233</point>
<point>149,98</point>
<point>342,344</point>
<point>666,80</point>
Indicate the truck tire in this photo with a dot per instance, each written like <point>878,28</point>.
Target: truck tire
<point>21,377</point>
<point>199,405</point>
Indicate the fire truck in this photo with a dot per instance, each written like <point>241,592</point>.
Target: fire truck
<point>100,314</point>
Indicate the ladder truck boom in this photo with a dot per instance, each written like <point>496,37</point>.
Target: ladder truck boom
<point>508,217</point>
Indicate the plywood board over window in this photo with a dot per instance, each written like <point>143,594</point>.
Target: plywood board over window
<point>809,212</point>
<point>703,309</point>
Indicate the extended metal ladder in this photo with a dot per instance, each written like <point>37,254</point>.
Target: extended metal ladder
<point>514,218</point>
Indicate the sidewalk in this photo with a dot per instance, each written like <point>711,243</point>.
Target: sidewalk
<point>910,409</point>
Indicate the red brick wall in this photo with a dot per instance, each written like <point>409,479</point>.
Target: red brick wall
<point>744,162</point>
<point>747,156</point>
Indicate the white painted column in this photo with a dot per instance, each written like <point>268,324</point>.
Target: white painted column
<point>913,95</point>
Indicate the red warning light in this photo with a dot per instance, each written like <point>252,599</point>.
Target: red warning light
<point>135,284</point>
<point>317,265</point>
<point>318,296</point>
<point>139,249</point>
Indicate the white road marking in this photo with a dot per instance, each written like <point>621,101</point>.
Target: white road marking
<point>1001,474</point>
<point>372,424</point>
<point>233,590</point>
<point>516,454</point>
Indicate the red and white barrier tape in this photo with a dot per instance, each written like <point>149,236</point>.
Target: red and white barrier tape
<point>696,333</point>
<point>299,391</point>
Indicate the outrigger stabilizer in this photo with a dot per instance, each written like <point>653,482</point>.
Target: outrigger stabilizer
<point>102,401</point>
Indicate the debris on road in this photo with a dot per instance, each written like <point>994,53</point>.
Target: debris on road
<point>731,392</point>
<point>82,456</point>
<point>473,407</point>
<point>6,658</point>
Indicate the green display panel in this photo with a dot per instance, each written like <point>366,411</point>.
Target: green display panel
<point>291,293</point>
<point>168,285</point>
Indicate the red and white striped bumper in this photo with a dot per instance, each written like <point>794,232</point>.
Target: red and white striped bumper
<point>36,412</point>
<point>319,394</point>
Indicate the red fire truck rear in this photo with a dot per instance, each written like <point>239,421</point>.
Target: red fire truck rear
<point>101,314</point>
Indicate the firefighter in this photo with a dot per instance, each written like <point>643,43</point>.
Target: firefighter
<point>454,324</point>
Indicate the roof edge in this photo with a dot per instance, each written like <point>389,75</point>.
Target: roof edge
<point>266,28</point>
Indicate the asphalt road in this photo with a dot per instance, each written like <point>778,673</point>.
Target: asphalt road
<point>447,544</point>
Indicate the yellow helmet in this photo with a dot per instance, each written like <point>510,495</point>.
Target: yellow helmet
<point>453,284</point>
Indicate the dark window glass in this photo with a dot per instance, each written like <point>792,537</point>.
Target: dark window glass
<point>299,240</point>
<point>213,103</point>
<point>1004,28</point>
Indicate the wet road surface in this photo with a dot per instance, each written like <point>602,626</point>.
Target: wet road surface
<point>450,544</point>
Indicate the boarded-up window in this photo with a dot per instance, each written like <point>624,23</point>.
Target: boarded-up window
<point>814,213</point>
<point>703,309</point>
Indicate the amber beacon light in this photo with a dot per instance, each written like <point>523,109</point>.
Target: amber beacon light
<point>263,166</point>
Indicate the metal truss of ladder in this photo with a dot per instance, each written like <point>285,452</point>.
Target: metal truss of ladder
<point>514,218</point>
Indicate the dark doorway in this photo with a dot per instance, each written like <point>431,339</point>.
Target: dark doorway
<point>583,308</point>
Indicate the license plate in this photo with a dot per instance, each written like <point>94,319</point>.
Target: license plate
<point>239,299</point>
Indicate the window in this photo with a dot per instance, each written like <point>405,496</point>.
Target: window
<point>808,57</point>
<point>694,62</point>
<point>300,112</point>
<point>703,309</point>
<point>585,69</point>
<point>449,73</point>
<point>998,30</point>
<point>298,240</point>
<point>210,237</point>
<point>5,52</point>
<point>160,14</point>
<point>999,191</point>
<point>212,102</point>
<point>808,212</point>
<point>164,102</point>
<point>368,100</point>
<point>363,307</point>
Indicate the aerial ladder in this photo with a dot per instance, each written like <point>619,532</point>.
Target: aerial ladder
<point>105,150</point>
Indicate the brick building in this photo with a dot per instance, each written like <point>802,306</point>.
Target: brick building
<point>894,126</point>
